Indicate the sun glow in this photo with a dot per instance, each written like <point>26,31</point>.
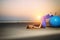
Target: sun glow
<point>39,17</point>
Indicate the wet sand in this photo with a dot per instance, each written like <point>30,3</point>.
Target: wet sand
<point>18,31</point>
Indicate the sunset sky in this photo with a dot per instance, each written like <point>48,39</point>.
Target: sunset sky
<point>27,9</point>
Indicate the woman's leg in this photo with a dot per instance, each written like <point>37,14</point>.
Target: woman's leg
<point>44,23</point>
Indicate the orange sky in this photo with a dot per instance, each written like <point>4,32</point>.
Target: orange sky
<point>28,8</point>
